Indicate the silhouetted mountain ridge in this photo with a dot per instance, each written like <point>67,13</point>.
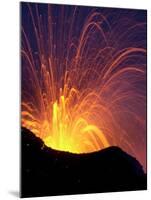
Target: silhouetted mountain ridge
<point>46,171</point>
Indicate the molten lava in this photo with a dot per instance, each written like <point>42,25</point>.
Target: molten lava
<point>68,134</point>
<point>68,129</point>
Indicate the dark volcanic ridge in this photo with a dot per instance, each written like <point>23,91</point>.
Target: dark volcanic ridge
<point>45,171</point>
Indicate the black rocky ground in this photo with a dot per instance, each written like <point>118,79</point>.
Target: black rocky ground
<point>45,171</point>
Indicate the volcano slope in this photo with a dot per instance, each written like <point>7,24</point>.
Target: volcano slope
<point>45,171</point>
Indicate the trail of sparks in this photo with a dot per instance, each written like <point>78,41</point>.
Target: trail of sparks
<point>84,77</point>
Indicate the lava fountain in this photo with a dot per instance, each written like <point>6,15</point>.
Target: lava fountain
<point>84,77</point>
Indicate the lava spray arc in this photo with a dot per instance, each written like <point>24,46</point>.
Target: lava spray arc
<point>84,77</point>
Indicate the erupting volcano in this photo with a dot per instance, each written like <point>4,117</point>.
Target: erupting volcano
<point>84,77</point>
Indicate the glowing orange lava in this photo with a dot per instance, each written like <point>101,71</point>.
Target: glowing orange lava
<point>69,127</point>
<point>69,133</point>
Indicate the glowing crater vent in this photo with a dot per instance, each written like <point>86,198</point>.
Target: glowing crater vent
<point>72,135</point>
